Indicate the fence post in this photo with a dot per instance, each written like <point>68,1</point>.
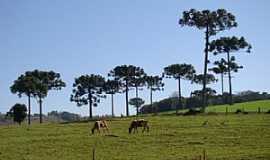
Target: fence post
<point>94,153</point>
<point>204,155</point>
<point>226,110</point>
<point>259,110</point>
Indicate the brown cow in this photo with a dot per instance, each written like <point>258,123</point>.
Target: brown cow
<point>100,124</point>
<point>138,123</point>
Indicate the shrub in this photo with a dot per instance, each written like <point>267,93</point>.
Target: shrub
<point>245,112</point>
<point>192,112</point>
<point>238,111</point>
<point>212,113</point>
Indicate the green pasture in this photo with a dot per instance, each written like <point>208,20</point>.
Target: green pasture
<point>253,106</point>
<point>222,137</point>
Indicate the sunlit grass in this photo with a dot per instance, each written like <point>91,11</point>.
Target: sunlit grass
<point>170,138</point>
<point>264,106</point>
<point>253,106</point>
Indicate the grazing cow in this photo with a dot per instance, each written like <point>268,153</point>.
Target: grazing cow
<point>100,124</point>
<point>138,123</point>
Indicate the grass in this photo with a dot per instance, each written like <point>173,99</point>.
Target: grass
<point>247,106</point>
<point>229,137</point>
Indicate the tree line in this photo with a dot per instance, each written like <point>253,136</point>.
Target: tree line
<point>193,102</point>
<point>89,89</point>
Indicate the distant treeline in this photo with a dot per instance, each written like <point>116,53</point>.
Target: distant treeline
<point>63,116</point>
<point>53,116</point>
<point>171,103</point>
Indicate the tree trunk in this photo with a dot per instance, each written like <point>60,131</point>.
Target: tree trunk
<point>222,84</point>
<point>40,110</point>
<point>222,88</point>
<point>127,110</point>
<point>230,78</point>
<point>112,106</point>
<point>151,100</point>
<point>179,95</point>
<point>205,68</point>
<point>29,109</point>
<point>137,105</point>
<point>90,104</point>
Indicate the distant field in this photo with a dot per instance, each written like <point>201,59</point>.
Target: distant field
<point>247,106</point>
<point>231,137</point>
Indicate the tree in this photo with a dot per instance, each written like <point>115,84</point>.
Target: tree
<point>137,102</point>
<point>125,75</point>
<point>212,22</point>
<point>220,68</point>
<point>112,87</point>
<point>25,85</point>
<point>228,45</point>
<point>18,112</point>
<point>234,67</point>
<point>88,89</point>
<point>154,83</point>
<point>45,81</point>
<point>198,93</point>
<point>138,80</point>
<point>209,93</point>
<point>199,79</point>
<point>178,72</point>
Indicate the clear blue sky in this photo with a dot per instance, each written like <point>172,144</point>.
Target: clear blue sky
<point>83,37</point>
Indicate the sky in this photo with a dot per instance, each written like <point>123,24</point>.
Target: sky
<point>78,37</point>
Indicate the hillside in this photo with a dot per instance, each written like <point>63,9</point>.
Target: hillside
<point>170,138</point>
<point>247,106</point>
<point>170,103</point>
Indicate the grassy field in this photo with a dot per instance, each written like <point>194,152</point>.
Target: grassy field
<point>248,107</point>
<point>253,106</point>
<point>237,137</point>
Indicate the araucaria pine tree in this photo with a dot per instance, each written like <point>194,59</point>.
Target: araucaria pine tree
<point>211,22</point>
<point>228,45</point>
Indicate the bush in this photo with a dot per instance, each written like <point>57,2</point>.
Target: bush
<point>18,112</point>
<point>192,112</point>
<point>238,111</point>
<point>212,113</point>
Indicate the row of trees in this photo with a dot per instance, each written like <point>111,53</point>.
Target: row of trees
<point>169,104</point>
<point>213,22</point>
<point>89,89</point>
